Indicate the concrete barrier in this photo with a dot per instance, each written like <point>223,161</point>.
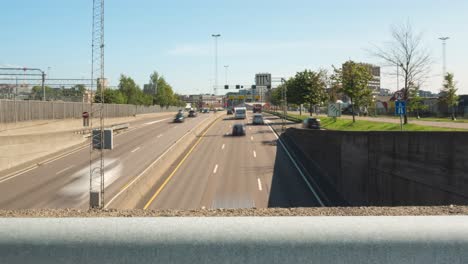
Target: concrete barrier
<point>386,168</point>
<point>243,240</point>
<point>133,195</point>
<point>16,150</point>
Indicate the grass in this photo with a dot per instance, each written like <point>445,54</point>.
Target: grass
<point>430,119</point>
<point>362,125</point>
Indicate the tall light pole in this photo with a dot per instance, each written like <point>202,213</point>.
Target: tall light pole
<point>444,65</point>
<point>226,72</point>
<point>216,36</point>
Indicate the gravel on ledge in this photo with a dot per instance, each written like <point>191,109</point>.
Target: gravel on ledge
<point>328,211</point>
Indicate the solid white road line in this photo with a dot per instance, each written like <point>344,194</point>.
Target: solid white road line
<point>297,166</point>
<point>135,150</point>
<point>157,121</point>
<point>255,154</point>
<point>223,146</point>
<point>215,169</point>
<point>64,170</point>
<point>259,184</point>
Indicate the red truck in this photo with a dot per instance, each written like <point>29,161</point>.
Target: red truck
<point>257,108</point>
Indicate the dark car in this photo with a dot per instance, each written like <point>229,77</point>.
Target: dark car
<point>192,113</point>
<point>311,123</point>
<point>229,112</point>
<point>179,118</point>
<point>238,130</point>
<point>206,110</point>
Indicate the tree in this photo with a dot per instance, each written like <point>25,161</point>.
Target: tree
<point>111,97</point>
<point>307,87</point>
<point>353,79</point>
<point>276,95</point>
<point>449,93</point>
<point>129,89</point>
<point>415,103</point>
<point>406,52</point>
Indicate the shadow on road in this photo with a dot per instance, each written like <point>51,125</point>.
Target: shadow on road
<point>288,188</point>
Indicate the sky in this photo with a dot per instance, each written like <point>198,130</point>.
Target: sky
<point>279,37</point>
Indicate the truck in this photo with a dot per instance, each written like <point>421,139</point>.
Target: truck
<point>257,108</point>
<point>240,112</point>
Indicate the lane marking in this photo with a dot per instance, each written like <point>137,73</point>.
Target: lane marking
<point>251,138</point>
<point>297,166</point>
<point>130,183</point>
<point>157,121</point>
<point>255,154</point>
<point>259,184</point>
<point>178,166</point>
<point>135,150</point>
<point>9,177</point>
<point>64,170</point>
<point>159,136</point>
<point>215,169</point>
<point>223,146</point>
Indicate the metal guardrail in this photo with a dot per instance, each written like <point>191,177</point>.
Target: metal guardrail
<point>120,126</point>
<point>438,239</point>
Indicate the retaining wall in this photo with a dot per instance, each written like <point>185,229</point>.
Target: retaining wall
<point>386,168</point>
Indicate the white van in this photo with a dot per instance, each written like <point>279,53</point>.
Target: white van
<point>240,112</point>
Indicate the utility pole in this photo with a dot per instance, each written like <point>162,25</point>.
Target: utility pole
<point>444,62</point>
<point>216,36</point>
<point>96,188</point>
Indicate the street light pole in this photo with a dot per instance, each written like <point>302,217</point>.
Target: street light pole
<point>226,72</point>
<point>444,65</point>
<point>216,36</point>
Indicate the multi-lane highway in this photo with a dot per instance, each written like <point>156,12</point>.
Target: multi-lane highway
<point>223,171</point>
<point>64,182</point>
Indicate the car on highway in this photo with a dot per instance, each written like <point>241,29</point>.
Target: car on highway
<point>192,113</point>
<point>179,118</point>
<point>205,110</point>
<point>240,112</point>
<point>238,130</point>
<point>229,112</point>
<point>258,119</point>
<point>311,123</point>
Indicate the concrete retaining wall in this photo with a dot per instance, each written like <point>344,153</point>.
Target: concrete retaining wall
<point>386,168</point>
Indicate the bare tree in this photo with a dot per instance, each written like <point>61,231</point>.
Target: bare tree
<point>407,53</point>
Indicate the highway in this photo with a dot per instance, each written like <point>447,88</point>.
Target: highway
<point>64,182</point>
<point>223,171</point>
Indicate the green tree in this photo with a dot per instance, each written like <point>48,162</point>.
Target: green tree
<point>111,97</point>
<point>415,102</point>
<point>37,93</point>
<point>129,89</point>
<point>276,96</point>
<point>307,87</point>
<point>449,93</point>
<point>353,79</point>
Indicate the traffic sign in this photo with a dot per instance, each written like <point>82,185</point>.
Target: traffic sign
<point>334,110</point>
<point>400,108</point>
<point>399,95</point>
<point>263,79</point>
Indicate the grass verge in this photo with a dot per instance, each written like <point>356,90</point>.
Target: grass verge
<point>362,125</point>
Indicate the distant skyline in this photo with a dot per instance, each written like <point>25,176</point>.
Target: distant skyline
<point>174,38</point>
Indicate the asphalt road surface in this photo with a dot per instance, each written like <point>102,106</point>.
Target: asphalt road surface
<point>223,171</point>
<point>64,183</point>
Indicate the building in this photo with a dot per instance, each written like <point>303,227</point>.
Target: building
<point>427,94</point>
<point>373,84</point>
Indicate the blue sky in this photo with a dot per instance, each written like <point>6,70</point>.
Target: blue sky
<point>174,37</point>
